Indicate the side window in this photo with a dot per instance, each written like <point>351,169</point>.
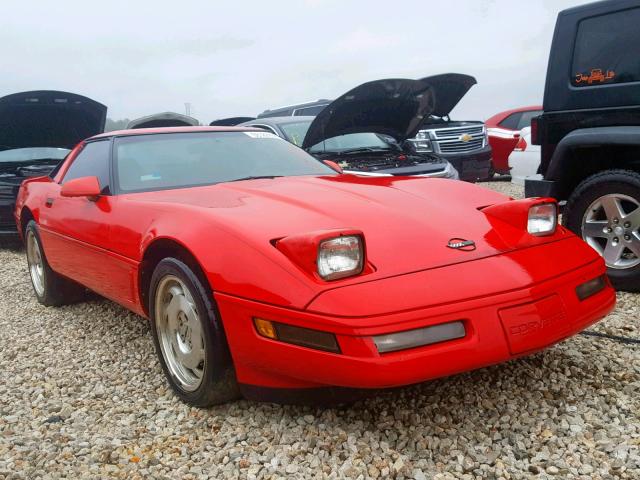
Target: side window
<point>311,111</point>
<point>511,122</point>
<point>525,118</point>
<point>606,49</point>
<point>92,161</point>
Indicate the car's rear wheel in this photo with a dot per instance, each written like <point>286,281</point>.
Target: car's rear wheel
<point>189,337</point>
<point>605,211</point>
<point>51,289</point>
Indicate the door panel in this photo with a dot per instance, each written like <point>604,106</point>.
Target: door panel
<point>76,232</point>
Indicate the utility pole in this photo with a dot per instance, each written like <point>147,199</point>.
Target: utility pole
<point>187,109</point>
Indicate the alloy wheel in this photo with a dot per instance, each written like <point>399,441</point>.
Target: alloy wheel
<point>180,332</point>
<point>35,262</point>
<point>611,225</point>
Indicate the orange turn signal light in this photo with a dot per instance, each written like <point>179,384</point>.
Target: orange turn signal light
<point>265,328</point>
<point>303,337</point>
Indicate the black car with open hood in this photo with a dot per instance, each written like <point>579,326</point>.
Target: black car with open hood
<point>365,131</point>
<point>37,130</point>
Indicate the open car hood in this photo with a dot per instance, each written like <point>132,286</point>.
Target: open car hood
<point>48,118</point>
<point>394,107</point>
<point>449,88</point>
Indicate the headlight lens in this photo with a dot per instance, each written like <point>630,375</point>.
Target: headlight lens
<point>340,257</point>
<point>543,219</point>
<point>422,142</point>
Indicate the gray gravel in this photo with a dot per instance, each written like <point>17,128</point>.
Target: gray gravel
<point>82,396</point>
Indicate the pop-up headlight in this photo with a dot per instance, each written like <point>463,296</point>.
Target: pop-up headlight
<point>340,257</point>
<point>543,219</point>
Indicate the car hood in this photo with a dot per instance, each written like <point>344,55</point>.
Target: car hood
<point>394,107</point>
<point>48,118</point>
<point>407,222</point>
<point>448,88</point>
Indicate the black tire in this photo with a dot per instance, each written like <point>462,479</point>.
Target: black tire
<point>218,383</point>
<point>623,182</point>
<point>55,290</point>
<point>491,174</point>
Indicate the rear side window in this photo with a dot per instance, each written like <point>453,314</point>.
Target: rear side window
<point>511,122</point>
<point>525,118</point>
<point>92,161</point>
<point>606,49</point>
<point>310,111</point>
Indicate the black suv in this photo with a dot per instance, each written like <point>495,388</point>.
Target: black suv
<point>589,131</point>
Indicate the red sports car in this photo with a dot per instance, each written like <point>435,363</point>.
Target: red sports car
<point>266,273</point>
<point>503,130</point>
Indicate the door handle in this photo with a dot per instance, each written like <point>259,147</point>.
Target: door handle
<point>49,202</point>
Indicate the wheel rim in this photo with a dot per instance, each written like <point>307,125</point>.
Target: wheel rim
<point>180,332</point>
<point>611,226</point>
<point>36,263</point>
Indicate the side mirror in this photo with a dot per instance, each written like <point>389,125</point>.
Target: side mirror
<point>333,165</point>
<point>81,187</point>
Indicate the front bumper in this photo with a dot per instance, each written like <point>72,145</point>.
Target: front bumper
<point>534,187</point>
<point>472,166</point>
<point>502,322</point>
<point>8,229</point>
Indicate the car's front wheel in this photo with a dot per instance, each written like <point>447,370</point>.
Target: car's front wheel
<point>605,211</point>
<point>189,337</point>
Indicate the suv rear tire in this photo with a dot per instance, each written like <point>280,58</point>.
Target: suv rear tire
<point>605,211</point>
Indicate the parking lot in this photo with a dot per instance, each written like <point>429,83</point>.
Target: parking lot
<point>82,395</point>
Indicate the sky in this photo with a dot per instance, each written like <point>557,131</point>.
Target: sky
<point>234,58</point>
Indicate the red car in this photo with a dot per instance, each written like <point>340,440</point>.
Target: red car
<point>266,273</point>
<point>503,130</point>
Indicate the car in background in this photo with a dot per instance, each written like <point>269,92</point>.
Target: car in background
<point>524,160</point>
<point>503,130</point>
<point>367,130</point>
<point>301,109</point>
<point>164,119</point>
<point>359,153</point>
<point>589,132</point>
<point>463,144</point>
<point>265,273</point>
<point>37,130</point>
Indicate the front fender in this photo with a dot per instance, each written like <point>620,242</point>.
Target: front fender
<point>587,137</point>
<point>233,265</point>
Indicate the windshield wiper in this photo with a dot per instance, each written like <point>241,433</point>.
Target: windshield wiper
<point>256,177</point>
<point>365,149</point>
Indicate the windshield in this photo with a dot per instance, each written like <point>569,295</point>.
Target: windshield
<point>176,160</point>
<point>295,133</point>
<point>33,154</point>
<point>351,141</point>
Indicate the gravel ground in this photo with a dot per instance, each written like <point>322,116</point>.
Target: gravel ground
<point>82,396</point>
